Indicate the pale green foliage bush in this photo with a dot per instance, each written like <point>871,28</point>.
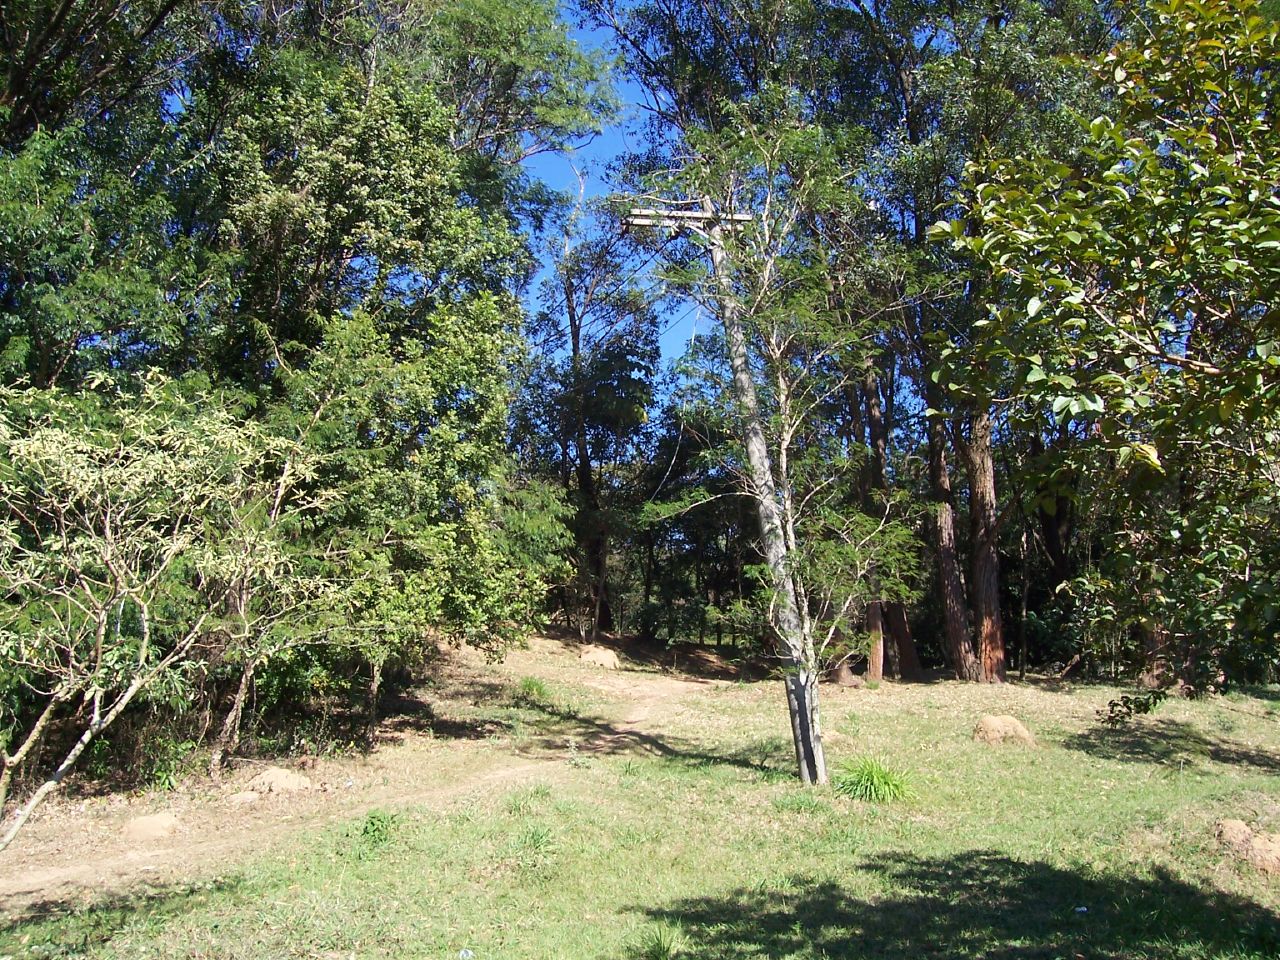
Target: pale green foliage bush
<point>136,535</point>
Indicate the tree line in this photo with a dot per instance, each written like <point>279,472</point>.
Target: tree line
<point>985,375</point>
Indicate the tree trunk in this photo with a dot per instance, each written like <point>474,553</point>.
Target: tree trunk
<point>875,655</point>
<point>984,579</point>
<point>801,682</point>
<point>951,586</point>
<point>1022,613</point>
<point>903,650</point>
<point>648,631</point>
<point>802,704</point>
<point>97,724</point>
<point>375,691</point>
<point>228,738</point>
<point>596,543</point>
<point>909,668</point>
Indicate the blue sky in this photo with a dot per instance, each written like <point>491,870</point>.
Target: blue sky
<point>560,172</point>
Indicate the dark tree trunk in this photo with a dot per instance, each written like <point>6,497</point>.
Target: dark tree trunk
<point>648,633</point>
<point>909,667</point>
<point>895,615</point>
<point>951,585</point>
<point>1022,613</point>
<point>596,545</point>
<point>984,562</point>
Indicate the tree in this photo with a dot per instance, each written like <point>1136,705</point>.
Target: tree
<point>790,354</point>
<point>1136,293</point>
<point>317,208</point>
<point>590,385</point>
<point>125,544</point>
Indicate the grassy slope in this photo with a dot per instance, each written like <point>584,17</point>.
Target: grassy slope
<point>1090,845</point>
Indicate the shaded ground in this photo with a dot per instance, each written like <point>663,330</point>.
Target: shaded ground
<point>979,904</point>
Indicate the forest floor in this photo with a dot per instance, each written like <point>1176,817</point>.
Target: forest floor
<point>547,808</point>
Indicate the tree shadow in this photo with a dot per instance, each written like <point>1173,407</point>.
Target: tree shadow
<point>977,904</point>
<point>68,927</point>
<point>1168,741</point>
<point>1269,693</point>
<point>595,736</point>
<point>550,728</point>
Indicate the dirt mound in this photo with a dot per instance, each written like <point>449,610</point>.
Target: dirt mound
<point>155,826</point>
<point>600,656</point>
<point>1002,729</point>
<point>1234,834</point>
<point>1260,850</point>
<point>278,780</point>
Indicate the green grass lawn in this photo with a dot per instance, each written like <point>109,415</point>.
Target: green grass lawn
<point>693,841</point>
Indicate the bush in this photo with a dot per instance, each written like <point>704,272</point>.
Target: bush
<point>870,780</point>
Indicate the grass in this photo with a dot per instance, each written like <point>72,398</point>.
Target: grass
<point>695,845</point>
<point>661,942</point>
<point>871,781</point>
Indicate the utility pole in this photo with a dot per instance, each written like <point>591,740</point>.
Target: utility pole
<point>784,611</point>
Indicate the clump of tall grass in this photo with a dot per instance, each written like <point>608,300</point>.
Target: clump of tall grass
<point>661,942</point>
<point>870,780</point>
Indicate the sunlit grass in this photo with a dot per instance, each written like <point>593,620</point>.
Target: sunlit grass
<point>708,848</point>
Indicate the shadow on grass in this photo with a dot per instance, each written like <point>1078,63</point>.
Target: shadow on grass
<point>978,904</point>
<point>1167,742</point>
<point>1270,693</point>
<point>549,727</point>
<point>594,736</point>
<point>69,927</point>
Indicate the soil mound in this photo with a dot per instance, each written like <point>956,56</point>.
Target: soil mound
<point>155,826</point>
<point>1002,729</point>
<point>600,656</point>
<point>278,780</point>
<point>1260,850</point>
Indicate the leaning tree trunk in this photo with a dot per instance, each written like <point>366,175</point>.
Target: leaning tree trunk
<point>984,580</point>
<point>797,647</point>
<point>228,738</point>
<point>98,722</point>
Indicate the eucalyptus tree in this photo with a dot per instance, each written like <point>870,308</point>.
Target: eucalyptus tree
<point>938,84</point>
<point>790,354</point>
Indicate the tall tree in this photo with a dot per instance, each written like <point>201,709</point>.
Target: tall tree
<point>1136,297</point>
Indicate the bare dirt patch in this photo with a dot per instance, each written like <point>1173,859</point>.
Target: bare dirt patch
<point>78,850</point>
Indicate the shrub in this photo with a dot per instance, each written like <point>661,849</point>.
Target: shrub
<point>532,692</point>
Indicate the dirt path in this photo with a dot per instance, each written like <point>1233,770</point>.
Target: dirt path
<point>76,850</point>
